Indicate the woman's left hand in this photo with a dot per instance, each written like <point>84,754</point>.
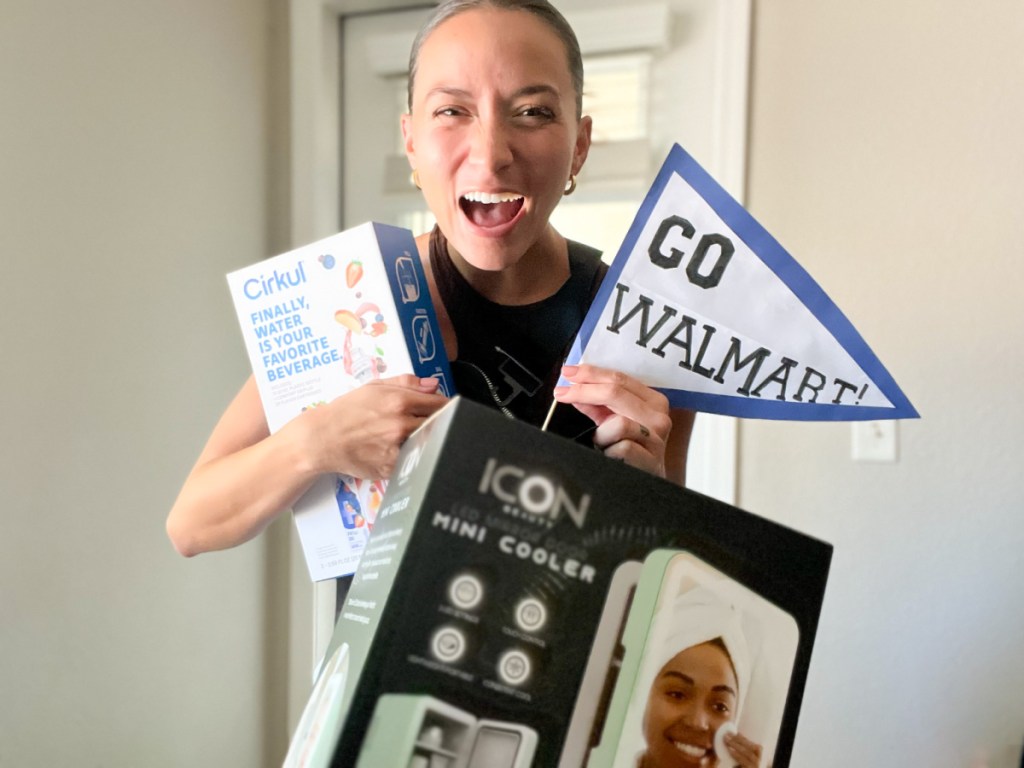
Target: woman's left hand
<point>633,422</point>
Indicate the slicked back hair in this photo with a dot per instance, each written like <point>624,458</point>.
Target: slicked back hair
<point>542,9</point>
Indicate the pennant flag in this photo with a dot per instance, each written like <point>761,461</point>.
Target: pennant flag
<point>703,304</point>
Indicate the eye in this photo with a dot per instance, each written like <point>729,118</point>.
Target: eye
<point>536,113</point>
<point>448,112</point>
<point>721,707</point>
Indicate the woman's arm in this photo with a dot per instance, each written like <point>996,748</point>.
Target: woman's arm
<point>241,481</point>
<point>245,476</point>
<point>678,447</point>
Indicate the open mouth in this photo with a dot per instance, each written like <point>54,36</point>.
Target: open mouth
<point>491,210</point>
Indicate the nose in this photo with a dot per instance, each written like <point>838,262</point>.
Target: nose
<point>696,717</point>
<point>491,144</point>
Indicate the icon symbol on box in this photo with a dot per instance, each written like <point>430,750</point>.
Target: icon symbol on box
<point>466,592</point>
<point>448,644</point>
<point>408,282</point>
<point>514,667</point>
<point>423,336</point>
<point>531,614</point>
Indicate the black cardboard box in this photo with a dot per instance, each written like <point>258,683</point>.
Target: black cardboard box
<point>523,601</point>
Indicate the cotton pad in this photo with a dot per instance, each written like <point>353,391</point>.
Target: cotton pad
<point>724,758</point>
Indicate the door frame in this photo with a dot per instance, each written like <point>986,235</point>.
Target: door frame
<point>315,212</point>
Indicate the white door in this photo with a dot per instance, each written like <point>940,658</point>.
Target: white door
<point>656,74</point>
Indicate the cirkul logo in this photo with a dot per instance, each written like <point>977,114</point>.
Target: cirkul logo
<point>255,287</point>
<point>532,495</point>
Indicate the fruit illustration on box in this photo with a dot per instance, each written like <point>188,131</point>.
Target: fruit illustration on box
<point>376,495</point>
<point>353,272</point>
<point>365,321</point>
<point>327,260</point>
<point>348,505</point>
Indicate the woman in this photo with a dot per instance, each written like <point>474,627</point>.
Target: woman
<point>495,138</point>
<point>698,679</point>
<point>694,696</point>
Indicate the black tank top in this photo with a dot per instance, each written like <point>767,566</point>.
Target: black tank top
<point>509,357</point>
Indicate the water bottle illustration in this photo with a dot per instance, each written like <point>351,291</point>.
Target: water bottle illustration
<point>424,338</point>
<point>348,505</point>
<point>360,365</point>
<point>408,282</point>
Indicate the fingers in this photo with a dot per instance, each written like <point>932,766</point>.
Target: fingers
<point>360,432</point>
<point>619,428</point>
<point>406,393</point>
<point>615,392</point>
<point>633,422</point>
<point>409,381</point>
<point>746,752</point>
<point>402,401</point>
<point>635,452</point>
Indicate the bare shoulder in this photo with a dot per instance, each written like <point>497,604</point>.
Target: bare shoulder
<point>423,246</point>
<point>444,321</point>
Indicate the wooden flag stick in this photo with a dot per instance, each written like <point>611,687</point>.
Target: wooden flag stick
<point>547,419</point>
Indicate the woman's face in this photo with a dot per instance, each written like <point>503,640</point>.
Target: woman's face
<point>493,133</point>
<point>693,694</point>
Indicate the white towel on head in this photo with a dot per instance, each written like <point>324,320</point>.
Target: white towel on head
<point>696,617</point>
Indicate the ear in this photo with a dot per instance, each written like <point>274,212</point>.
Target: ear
<point>410,151</point>
<point>582,147</point>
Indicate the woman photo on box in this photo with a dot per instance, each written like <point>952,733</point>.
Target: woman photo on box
<point>692,706</point>
<point>495,138</point>
<point>692,701</point>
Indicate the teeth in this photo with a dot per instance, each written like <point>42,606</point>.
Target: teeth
<point>484,197</point>
<point>689,749</point>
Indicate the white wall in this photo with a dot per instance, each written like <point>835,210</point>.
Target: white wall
<point>887,156</point>
<point>135,151</point>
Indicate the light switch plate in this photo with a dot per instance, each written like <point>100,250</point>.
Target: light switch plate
<point>874,441</point>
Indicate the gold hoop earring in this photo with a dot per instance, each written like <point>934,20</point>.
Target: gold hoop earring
<point>571,186</point>
<point>414,177</point>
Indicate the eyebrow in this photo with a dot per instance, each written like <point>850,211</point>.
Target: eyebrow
<point>527,90</point>
<point>690,681</point>
<point>539,88</point>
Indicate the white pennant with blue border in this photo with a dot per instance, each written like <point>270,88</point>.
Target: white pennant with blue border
<point>703,304</point>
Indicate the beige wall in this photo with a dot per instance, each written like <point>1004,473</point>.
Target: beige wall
<point>887,155</point>
<point>135,168</point>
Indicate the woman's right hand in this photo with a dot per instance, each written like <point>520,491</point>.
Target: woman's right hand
<point>745,752</point>
<point>361,432</point>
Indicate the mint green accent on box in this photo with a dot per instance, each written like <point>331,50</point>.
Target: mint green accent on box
<point>399,731</point>
<point>634,638</point>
